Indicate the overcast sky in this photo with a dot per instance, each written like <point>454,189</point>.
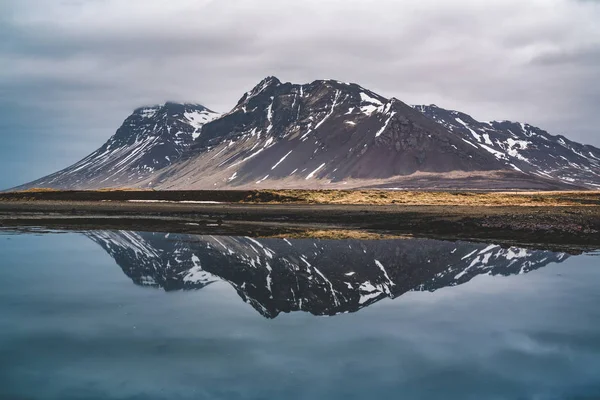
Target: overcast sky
<point>72,70</point>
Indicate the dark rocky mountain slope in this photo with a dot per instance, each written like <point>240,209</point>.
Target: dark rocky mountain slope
<point>524,147</point>
<point>327,134</point>
<point>334,135</point>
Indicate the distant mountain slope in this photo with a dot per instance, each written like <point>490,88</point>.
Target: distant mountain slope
<point>150,139</point>
<point>525,147</point>
<point>322,134</point>
<point>322,277</point>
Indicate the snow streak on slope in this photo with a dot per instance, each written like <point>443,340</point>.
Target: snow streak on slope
<point>315,135</point>
<point>327,134</point>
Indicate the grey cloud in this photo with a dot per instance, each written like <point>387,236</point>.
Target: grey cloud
<point>91,62</point>
<point>581,57</point>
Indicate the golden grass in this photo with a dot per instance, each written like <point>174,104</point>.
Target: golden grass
<point>370,197</point>
<point>382,197</point>
<point>38,190</point>
<point>122,189</point>
<point>339,234</point>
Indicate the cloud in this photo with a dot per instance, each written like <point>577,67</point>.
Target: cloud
<point>78,63</point>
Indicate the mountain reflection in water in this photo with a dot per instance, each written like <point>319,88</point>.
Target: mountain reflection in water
<point>322,277</point>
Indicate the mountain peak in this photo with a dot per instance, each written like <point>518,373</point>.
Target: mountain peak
<point>170,106</point>
<point>326,134</point>
<point>147,111</point>
<point>268,81</point>
<point>263,87</point>
<point>272,79</point>
<point>151,138</point>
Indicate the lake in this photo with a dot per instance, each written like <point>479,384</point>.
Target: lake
<point>132,315</point>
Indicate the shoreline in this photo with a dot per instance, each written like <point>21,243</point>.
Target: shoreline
<point>304,197</point>
<point>576,227</point>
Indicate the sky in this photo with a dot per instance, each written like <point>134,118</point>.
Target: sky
<point>72,70</point>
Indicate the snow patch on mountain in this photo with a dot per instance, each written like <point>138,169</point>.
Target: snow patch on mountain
<point>524,147</point>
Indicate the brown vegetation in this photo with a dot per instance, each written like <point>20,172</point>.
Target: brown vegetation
<point>382,197</point>
<point>338,234</point>
<point>335,197</point>
<point>124,189</point>
<point>38,190</point>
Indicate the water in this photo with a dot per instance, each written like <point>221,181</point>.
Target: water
<point>123,315</point>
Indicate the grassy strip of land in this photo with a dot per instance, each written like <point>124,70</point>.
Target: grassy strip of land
<point>337,234</point>
<point>381,197</point>
<point>338,197</point>
<point>539,225</point>
<point>549,218</point>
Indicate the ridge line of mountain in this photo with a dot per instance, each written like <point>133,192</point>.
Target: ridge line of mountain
<point>326,134</point>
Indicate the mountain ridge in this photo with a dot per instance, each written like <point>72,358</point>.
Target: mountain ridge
<point>326,134</point>
<point>525,147</point>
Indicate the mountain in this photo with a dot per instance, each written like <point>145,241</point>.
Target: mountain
<point>329,134</point>
<point>322,277</point>
<point>148,140</point>
<point>524,147</point>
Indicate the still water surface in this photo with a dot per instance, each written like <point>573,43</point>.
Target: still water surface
<point>125,315</point>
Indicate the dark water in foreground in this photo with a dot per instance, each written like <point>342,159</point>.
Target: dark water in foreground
<point>123,315</point>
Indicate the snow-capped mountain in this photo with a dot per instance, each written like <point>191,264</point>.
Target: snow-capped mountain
<point>524,147</point>
<point>322,277</point>
<point>150,139</point>
<point>323,134</point>
<point>327,134</point>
